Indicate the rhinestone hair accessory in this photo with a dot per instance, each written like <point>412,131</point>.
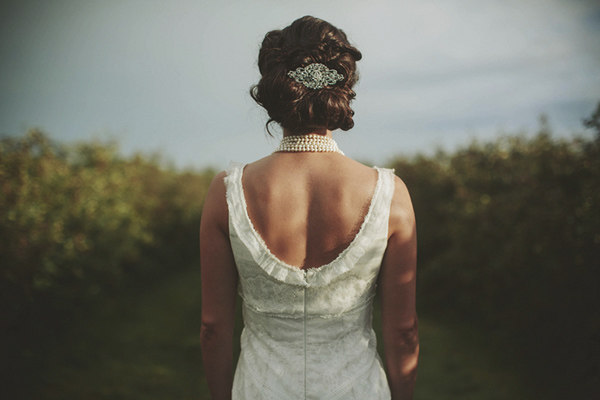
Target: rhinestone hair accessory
<point>316,76</point>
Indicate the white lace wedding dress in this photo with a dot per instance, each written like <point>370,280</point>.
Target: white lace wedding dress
<point>307,333</point>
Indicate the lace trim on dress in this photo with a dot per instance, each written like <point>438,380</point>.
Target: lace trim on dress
<point>239,220</point>
<point>278,269</point>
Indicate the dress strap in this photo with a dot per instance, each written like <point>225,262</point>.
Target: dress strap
<point>387,193</point>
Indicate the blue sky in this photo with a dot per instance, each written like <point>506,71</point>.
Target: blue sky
<point>174,76</point>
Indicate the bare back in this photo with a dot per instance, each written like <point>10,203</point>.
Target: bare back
<point>308,207</point>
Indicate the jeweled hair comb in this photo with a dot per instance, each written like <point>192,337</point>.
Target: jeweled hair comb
<point>316,76</point>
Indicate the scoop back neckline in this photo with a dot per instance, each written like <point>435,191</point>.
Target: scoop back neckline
<point>323,267</point>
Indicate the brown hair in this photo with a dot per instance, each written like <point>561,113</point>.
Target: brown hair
<point>291,104</point>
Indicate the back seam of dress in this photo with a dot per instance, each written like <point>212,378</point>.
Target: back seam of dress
<point>305,361</point>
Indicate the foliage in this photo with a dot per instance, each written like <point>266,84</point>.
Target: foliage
<point>78,221</point>
<point>510,236</point>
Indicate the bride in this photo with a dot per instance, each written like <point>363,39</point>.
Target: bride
<point>307,236</point>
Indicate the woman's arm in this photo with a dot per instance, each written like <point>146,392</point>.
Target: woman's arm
<point>397,280</point>
<point>219,285</point>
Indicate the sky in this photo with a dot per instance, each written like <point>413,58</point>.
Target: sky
<point>173,77</point>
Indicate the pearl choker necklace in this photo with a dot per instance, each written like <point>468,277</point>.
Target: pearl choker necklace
<point>311,142</point>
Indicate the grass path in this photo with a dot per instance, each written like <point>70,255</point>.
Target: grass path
<point>144,345</point>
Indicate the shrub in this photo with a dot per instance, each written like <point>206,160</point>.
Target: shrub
<point>81,220</point>
<point>509,236</point>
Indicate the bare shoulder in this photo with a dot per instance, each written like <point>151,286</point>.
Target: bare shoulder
<point>356,172</point>
<point>218,183</point>
<point>402,217</point>
<point>214,210</point>
<point>358,166</point>
<point>217,190</point>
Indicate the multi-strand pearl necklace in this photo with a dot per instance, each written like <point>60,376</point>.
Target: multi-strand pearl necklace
<point>311,142</point>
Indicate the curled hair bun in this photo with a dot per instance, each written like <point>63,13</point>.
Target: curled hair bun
<point>295,107</point>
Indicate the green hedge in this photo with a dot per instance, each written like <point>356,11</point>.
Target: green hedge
<point>509,236</point>
<point>81,221</point>
<point>76,220</point>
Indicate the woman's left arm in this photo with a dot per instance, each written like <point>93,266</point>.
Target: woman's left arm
<point>219,292</point>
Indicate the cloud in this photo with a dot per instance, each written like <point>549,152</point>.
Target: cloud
<point>175,76</point>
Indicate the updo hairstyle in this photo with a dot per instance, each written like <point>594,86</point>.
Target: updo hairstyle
<point>291,104</point>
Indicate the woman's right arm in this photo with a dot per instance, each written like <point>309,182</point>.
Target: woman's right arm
<point>397,285</point>
<point>219,292</point>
